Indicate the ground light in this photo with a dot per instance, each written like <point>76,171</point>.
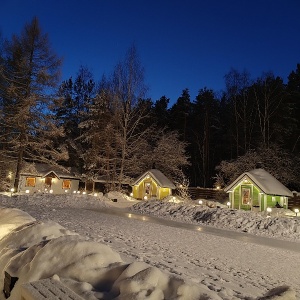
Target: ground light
<point>269,210</point>
<point>296,210</point>
<point>228,204</point>
<point>200,202</point>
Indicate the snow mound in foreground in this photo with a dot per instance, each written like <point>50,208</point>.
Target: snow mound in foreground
<point>36,250</point>
<point>246,221</point>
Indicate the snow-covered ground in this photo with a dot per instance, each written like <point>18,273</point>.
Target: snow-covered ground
<point>104,256</point>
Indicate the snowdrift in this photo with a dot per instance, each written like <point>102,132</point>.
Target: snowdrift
<point>245,221</point>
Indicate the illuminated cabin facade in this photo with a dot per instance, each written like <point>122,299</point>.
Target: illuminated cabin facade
<point>152,184</point>
<point>43,178</point>
<point>257,190</point>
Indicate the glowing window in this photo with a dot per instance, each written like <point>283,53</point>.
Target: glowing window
<point>66,184</point>
<point>30,181</point>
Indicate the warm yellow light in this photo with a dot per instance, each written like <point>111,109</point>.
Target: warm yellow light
<point>200,202</point>
<point>27,191</point>
<point>217,187</point>
<point>145,198</point>
<point>12,190</point>
<point>95,194</point>
<point>83,193</point>
<point>269,209</point>
<point>74,192</point>
<point>131,194</point>
<point>296,210</point>
<point>228,204</point>
<point>51,191</point>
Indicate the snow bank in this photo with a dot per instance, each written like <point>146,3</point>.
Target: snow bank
<point>245,221</point>
<point>11,219</point>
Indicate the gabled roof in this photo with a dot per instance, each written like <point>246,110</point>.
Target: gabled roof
<point>158,176</point>
<point>267,183</point>
<point>43,170</point>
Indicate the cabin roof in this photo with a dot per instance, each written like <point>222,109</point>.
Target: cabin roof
<point>158,176</point>
<point>44,170</point>
<point>267,183</point>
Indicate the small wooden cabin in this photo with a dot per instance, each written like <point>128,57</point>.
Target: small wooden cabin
<point>256,190</point>
<point>152,184</point>
<point>47,179</point>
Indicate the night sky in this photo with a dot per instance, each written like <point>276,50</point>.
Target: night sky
<point>182,44</point>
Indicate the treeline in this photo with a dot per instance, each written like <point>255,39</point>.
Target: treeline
<point>109,128</point>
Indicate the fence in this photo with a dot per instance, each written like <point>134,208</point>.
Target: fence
<point>208,193</point>
<point>294,202</point>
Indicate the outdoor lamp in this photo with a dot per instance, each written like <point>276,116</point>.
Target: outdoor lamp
<point>228,204</point>
<point>200,202</point>
<point>296,210</point>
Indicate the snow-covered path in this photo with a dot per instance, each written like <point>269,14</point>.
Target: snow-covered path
<point>233,269</point>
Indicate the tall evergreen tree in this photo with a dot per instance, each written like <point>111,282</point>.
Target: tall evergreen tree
<point>161,112</point>
<point>293,111</point>
<point>205,141</point>
<point>180,115</point>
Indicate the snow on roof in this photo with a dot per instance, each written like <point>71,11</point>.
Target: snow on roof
<point>267,183</point>
<point>159,177</point>
<point>43,170</point>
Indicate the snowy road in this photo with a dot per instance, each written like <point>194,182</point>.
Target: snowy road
<point>242,237</point>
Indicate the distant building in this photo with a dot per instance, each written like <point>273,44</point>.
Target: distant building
<point>152,184</point>
<point>256,190</point>
<point>44,178</point>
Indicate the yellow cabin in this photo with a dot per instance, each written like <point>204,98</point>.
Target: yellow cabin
<point>152,184</point>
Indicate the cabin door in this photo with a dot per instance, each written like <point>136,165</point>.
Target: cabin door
<point>147,189</point>
<point>48,182</point>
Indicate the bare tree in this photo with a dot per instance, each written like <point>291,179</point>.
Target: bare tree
<point>29,72</point>
<point>268,92</point>
<point>243,109</point>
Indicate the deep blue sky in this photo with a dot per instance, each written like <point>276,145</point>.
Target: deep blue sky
<point>182,44</point>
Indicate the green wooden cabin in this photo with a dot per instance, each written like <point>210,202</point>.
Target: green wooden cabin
<point>257,190</point>
<point>152,184</point>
